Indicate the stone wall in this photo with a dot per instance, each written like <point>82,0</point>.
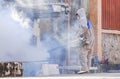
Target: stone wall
<point>111,48</point>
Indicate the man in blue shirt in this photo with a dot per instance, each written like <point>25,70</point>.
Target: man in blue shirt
<point>87,41</point>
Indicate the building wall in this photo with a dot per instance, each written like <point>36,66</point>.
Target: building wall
<point>111,14</point>
<point>111,21</point>
<point>111,48</point>
<point>93,18</point>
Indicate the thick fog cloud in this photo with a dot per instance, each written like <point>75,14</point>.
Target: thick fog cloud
<point>15,40</point>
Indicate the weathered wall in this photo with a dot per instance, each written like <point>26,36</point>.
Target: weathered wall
<point>111,21</point>
<point>111,47</point>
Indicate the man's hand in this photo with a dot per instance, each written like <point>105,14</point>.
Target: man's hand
<point>81,35</point>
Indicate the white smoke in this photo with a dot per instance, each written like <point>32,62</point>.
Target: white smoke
<point>15,40</point>
<point>20,17</point>
<point>63,34</point>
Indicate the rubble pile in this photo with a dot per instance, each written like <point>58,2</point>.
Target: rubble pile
<point>11,69</point>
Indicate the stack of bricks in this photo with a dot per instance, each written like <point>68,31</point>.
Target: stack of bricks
<point>11,69</point>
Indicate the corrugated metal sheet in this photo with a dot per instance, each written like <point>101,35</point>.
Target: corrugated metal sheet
<point>111,14</point>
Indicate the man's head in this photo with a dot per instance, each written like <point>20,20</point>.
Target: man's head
<point>80,13</point>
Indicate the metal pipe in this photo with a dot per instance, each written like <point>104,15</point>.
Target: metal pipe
<point>68,55</point>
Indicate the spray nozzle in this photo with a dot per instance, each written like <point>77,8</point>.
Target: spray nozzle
<point>67,10</point>
<point>61,8</point>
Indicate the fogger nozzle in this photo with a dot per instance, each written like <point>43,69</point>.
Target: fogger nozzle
<point>67,9</point>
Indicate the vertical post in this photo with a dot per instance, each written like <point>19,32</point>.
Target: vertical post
<point>95,8</point>
<point>99,29</point>
<point>68,55</point>
<point>36,31</point>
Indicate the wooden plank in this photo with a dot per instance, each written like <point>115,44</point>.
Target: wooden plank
<point>99,30</point>
<point>111,31</point>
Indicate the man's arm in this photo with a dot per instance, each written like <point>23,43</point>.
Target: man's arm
<point>84,32</point>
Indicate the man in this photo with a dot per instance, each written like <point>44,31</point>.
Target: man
<point>87,41</point>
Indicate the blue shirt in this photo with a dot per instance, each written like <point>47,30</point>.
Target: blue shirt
<point>89,24</point>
